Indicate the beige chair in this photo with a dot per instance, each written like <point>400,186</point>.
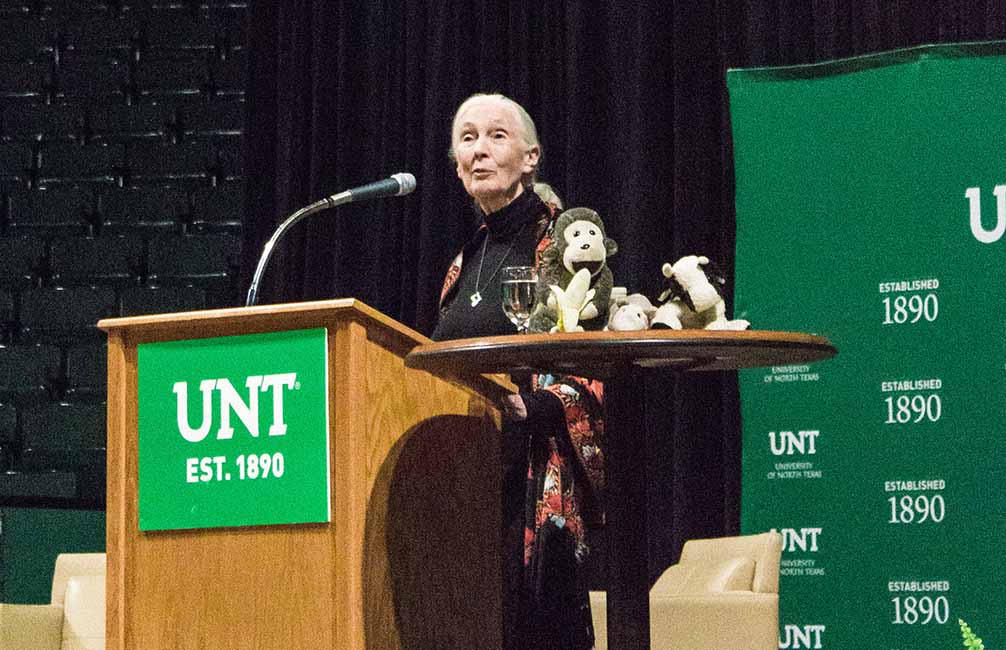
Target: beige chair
<point>723,593</point>
<point>75,617</point>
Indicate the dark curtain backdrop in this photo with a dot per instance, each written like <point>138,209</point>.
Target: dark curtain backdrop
<point>631,105</point>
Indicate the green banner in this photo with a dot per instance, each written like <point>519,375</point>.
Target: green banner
<point>233,431</point>
<point>871,209</point>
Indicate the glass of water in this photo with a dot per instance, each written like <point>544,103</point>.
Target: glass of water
<point>518,294</point>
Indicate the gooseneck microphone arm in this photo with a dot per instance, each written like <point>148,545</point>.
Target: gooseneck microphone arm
<point>398,185</point>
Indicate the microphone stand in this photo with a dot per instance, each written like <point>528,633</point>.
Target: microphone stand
<point>324,204</point>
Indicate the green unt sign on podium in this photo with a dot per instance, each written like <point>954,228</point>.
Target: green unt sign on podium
<point>871,209</point>
<point>277,478</point>
<point>233,431</point>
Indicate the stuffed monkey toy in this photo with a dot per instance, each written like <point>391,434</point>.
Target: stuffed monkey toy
<point>578,243</point>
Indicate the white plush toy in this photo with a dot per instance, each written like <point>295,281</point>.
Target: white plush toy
<point>630,313</point>
<point>695,303</point>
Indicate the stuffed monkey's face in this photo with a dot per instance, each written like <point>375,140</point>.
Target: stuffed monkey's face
<point>584,247</point>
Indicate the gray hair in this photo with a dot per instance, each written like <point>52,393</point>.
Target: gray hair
<point>530,131</point>
<point>543,190</point>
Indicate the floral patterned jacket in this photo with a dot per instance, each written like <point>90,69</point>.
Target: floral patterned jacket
<point>565,474</point>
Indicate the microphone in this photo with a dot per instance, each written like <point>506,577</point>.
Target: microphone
<point>398,185</point>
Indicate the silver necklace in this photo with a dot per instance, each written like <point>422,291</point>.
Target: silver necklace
<point>476,297</point>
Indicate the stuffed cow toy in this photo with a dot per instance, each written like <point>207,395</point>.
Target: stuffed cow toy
<point>694,299</point>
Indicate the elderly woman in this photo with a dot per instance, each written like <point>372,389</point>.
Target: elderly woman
<point>552,449</point>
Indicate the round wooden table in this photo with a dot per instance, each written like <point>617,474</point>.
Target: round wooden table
<point>621,359</point>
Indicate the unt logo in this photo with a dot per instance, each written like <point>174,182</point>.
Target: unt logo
<point>974,197</point>
<point>230,401</point>
<point>802,636</point>
<point>789,443</point>
<point>802,539</point>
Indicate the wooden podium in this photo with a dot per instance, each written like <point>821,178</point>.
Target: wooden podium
<point>410,558</point>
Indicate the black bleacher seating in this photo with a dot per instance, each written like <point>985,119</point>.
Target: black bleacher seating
<point>15,157</point>
<point>204,32</point>
<point>65,312</point>
<point>202,259</point>
<point>105,259</point>
<point>70,437</point>
<point>70,163</point>
<point>155,162</point>
<point>9,446</point>
<point>8,423</point>
<point>67,208</point>
<point>91,34</point>
<point>138,301</point>
<point>122,123</point>
<point>8,183</point>
<point>20,260</point>
<point>213,118</point>
<point>120,146</point>
<point>46,484</point>
<point>218,207</point>
<point>28,39</point>
<point>231,157</point>
<point>49,122</point>
<point>27,370</point>
<point>23,81</point>
<point>94,78</point>
<point>228,75</point>
<point>144,207</point>
<point>86,371</point>
<point>166,79</point>
<point>15,163</point>
<point>7,319</point>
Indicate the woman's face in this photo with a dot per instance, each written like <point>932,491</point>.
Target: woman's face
<point>492,156</point>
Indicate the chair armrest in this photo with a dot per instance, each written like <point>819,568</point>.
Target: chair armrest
<point>84,613</point>
<point>739,620</point>
<point>599,616</point>
<point>30,627</point>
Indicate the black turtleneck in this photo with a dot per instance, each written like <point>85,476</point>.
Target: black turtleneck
<point>512,238</point>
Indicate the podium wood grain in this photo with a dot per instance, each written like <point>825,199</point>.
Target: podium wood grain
<point>410,558</point>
